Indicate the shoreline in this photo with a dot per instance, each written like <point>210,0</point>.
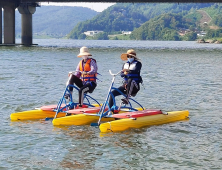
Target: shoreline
<point>210,41</point>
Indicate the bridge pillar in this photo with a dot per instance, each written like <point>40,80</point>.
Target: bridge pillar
<point>26,29</point>
<point>9,24</point>
<point>26,10</point>
<point>0,25</point>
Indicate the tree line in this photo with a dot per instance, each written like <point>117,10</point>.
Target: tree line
<point>148,21</point>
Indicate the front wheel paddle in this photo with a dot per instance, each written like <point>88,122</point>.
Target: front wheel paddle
<point>95,124</point>
<point>48,118</point>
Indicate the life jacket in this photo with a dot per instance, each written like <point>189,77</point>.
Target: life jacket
<point>136,76</point>
<point>91,77</point>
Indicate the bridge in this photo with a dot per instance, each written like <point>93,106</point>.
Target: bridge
<point>28,7</point>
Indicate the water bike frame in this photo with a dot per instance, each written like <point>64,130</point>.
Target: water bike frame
<point>71,104</point>
<point>102,114</point>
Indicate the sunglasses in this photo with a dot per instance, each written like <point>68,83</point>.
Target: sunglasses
<point>129,56</point>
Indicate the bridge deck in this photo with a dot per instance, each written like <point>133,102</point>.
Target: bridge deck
<point>3,2</point>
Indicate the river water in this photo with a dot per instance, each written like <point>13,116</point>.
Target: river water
<point>177,76</point>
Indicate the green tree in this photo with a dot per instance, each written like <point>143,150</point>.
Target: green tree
<point>163,27</point>
<point>101,36</point>
<point>214,33</point>
<point>218,20</point>
<point>82,36</point>
<point>192,36</point>
<point>115,38</point>
<point>128,16</point>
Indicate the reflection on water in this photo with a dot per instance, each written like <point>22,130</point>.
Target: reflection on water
<point>177,76</point>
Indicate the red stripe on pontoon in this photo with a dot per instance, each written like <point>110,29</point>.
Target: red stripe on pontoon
<point>136,114</point>
<point>86,110</point>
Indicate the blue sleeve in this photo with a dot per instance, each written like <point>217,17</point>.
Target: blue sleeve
<point>122,73</point>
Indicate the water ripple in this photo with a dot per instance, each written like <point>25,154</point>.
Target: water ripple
<point>177,76</point>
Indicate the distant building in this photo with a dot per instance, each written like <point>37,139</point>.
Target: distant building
<point>183,32</point>
<point>92,33</point>
<point>126,32</point>
<point>202,33</point>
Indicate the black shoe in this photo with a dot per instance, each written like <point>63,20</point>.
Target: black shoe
<point>125,101</point>
<point>68,114</point>
<point>67,96</point>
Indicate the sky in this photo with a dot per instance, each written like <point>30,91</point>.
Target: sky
<point>99,7</point>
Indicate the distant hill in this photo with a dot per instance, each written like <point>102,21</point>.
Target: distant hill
<point>182,26</point>
<point>205,17</point>
<point>214,13</point>
<point>163,27</point>
<point>56,20</point>
<point>214,26</point>
<point>128,16</point>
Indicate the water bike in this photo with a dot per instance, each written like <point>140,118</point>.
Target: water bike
<point>121,118</point>
<point>63,108</point>
<point>86,116</point>
<point>138,119</point>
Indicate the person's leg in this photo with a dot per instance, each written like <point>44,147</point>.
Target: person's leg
<point>89,87</point>
<point>132,88</point>
<point>116,93</point>
<point>73,80</point>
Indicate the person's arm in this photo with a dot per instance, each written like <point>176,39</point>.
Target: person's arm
<point>122,74</point>
<point>77,73</point>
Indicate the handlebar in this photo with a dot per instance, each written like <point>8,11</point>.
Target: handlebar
<point>73,72</point>
<point>110,72</point>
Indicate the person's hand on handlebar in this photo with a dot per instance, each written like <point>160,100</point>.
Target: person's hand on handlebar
<point>125,71</point>
<point>84,73</point>
<point>70,73</point>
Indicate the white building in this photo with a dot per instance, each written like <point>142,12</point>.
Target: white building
<point>92,33</point>
<point>126,32</point>
<point>202,33</point>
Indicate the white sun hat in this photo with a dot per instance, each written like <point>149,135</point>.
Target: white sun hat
<point>84,51</point>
